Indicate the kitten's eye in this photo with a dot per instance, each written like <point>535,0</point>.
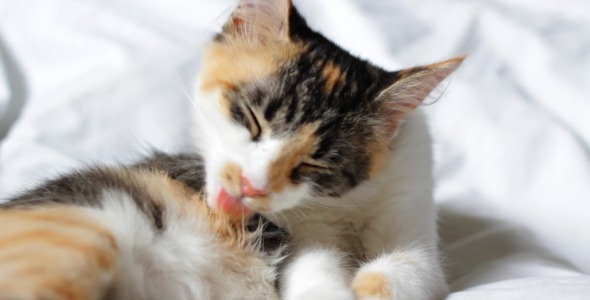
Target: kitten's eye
<point>307,168</point>
<point>254,125</point>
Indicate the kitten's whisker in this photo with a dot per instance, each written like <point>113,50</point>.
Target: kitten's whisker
<point>191,100</point>
<point>180,84</point>
<point>284,218</point>
<point>301,216</point>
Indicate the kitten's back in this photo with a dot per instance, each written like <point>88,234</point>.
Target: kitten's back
<point>130,233</point>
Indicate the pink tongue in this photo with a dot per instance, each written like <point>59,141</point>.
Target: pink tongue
<point>232,206</point>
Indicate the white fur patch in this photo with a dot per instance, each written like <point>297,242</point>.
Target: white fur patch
<point>223,140</point>
<point>317,274</point>
<point>184,261</point>
<point>153,266</point>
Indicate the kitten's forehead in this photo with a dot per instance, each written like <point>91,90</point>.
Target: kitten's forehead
<point>228,66</point>
<point>320,84</point>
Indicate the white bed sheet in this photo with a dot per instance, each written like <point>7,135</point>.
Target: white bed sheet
<point>4,90</point>
<point>104,80</point>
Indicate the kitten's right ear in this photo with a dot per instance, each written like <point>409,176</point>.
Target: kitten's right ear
<point>259,21</point>
<point>409,89</point>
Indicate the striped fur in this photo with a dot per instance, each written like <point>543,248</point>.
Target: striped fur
<point>139,232</point>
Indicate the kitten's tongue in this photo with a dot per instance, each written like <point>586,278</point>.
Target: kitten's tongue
<point>232,207</point>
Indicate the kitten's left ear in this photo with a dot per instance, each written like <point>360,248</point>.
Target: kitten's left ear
<point>259,21</point>
<point>410,88</point>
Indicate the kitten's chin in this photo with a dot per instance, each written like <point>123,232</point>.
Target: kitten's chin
<point>282,205</point>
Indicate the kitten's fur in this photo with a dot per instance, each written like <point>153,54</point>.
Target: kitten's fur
<point>290,126</point>
<point>140,232</point>
<point>327,145</point>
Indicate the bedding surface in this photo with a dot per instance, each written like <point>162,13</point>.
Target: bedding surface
<point>4,90</point>
<point>96,80</point>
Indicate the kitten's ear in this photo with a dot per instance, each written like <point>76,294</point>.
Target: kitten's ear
<point>410,88</point>
<point>259,21</point>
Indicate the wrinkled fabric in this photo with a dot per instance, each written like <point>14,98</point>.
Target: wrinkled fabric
<point>97,80</point>
<point>4,90</point>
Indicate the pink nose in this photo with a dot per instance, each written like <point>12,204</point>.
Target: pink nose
<point>249,191</point>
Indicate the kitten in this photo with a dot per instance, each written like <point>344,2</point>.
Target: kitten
<point>139,232</point>
<point>327,145</point>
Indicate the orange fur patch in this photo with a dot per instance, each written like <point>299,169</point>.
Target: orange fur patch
<point>373,286</point>
<point>378,161</point>
<point>163,190</point>
<point>295,150</point>
<point>54,252</point>
<point>231,177</point>
<point>52,216</point>
<point>333,76</point>
<point>59,237</point>
<point>227,65</point>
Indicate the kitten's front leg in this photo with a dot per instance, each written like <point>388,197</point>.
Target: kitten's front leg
<point>316,273</point>
<point>412,273</point>
<point>401,243</point>
<point>318,267</point>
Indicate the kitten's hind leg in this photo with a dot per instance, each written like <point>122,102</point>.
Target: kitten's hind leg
<point>54,252</point>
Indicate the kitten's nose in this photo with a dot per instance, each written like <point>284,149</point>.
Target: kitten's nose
<point>249,191</point>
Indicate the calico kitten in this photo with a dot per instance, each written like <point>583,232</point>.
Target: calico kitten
<point>327,145</point>
<point>139,232</point>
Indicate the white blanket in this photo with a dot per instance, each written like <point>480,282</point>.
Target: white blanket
<point>104,80</point>
<point>4,91</point>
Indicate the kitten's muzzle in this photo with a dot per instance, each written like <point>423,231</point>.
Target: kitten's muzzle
<point>233,206</point>
<point>249,191</point>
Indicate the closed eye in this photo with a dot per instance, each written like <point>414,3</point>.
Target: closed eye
<point>254,125</point>
<point>306,169</point>
<point>312,166</point>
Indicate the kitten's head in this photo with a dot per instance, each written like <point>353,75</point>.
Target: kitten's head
<point>284,115</point>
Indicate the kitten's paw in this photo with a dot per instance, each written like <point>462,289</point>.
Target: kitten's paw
<point>403,275</point>
<point>371,286</point>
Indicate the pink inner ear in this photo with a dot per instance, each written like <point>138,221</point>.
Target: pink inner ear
<point>260,20</point>
<point>406,94</point>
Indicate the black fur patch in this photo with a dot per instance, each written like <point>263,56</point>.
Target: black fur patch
<point>85,187</point>
<point>323,84</point>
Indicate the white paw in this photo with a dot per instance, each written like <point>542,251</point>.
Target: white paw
<point>412,274</point>
<point>372,285</point>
